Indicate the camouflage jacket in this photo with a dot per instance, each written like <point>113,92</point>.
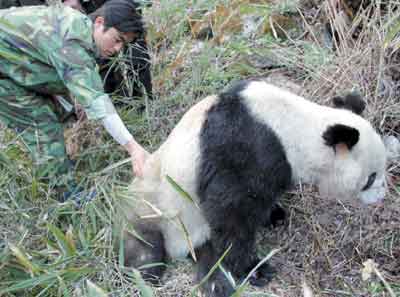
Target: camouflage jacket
<point>51,51</point>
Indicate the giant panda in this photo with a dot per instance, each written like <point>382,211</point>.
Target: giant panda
<point>235,154</point>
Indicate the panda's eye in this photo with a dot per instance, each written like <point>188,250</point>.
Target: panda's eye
<point>370,181</point>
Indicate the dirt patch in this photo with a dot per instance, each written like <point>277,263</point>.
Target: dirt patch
<point>326,242</point>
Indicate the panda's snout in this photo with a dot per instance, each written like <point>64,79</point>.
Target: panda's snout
<point>374,195</point>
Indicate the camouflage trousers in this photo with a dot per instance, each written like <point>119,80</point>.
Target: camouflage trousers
<point>38,126</point>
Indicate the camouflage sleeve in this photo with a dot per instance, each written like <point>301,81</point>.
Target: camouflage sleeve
<point>76,66</point>
<point>78,71</point>
<point>82,80</point>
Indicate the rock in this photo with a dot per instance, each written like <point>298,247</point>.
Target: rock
<point>282,26</point>
<point>392,145</point>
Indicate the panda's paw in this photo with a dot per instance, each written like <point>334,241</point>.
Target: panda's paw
<point>262,276</point>
<point>277,216</point>
<point>217,287</point>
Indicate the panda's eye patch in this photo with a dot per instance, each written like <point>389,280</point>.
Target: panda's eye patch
<point>370,181</point>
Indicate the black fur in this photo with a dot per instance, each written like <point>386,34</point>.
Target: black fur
<point>352,101</point>
<point>339,133</point>
<point>152,251</point>
<point>217,285</point>
<point>242,171</point>
<point>138,61</point>
<point>277,216</point>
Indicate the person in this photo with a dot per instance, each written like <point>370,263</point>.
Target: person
<point>136,56</point>
<point>51,50</point>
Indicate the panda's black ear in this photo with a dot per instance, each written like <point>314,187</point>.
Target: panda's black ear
<point>352,101</point>
<point>339,134</point>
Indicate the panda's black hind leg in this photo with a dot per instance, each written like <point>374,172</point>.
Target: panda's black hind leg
<point>234,214</point>
<point>150,250</point>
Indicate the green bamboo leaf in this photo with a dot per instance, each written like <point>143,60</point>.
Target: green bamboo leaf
<point>181,191</point>
<point>151,265</point>
<point>239,291</point>
<point>64,245</point>
<point>23,259</point>
<point>43,280</point>
<point>94,290</point>
<point>188,239</point>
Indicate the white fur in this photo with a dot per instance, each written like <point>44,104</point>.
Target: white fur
<point>299,124</point>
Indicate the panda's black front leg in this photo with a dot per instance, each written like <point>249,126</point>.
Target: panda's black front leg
<point>276,217</point>
<point>217,285</point>
<point>262,275</point>
<point>234,214</point>
<point>237,232</point>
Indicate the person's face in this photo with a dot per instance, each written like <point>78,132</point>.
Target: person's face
<point>109,41</point>
<point>75,4</point>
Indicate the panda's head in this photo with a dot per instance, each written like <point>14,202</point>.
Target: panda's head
<point>359,156</point>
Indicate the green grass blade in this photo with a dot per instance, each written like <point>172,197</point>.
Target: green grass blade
<point>43,280</point>
<point>216,265</point>
<point>75,274</point>
<point>240,289</point>
<point>181,191</point>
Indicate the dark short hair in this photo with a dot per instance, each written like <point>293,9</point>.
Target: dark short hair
<point>123,15</point>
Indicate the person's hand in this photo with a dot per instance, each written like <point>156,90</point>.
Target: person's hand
<point>138,159</point>
<point>138,156</point>
<point>80,112</point>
